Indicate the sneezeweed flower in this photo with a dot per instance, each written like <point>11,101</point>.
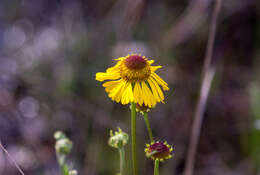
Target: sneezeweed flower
<point>133,79</point>
<point>118,139</point>
<point>159,150</point>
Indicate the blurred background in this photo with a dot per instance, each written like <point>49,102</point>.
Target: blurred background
<point>50,51</point>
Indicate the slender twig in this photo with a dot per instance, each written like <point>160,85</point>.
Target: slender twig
<point>147,123</point>
<point>12,160</point>
<point>133,135</point>
<point>207,77</point>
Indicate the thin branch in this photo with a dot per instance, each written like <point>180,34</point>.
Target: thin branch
<point>207,77</point>
<point>12,160</point>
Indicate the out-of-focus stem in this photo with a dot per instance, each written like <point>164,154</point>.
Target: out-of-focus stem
<point>207,77</point>
<point>122,159</point>
<point>133,136</point>
<point>63,166</point>
<point>65,170</point>
<point>147,123</point>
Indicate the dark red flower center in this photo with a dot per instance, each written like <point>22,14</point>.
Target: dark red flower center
<point>135,62</point>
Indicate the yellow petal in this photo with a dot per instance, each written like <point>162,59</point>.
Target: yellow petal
<point>158,89</point>
<point>120,58</point>
<point>154,90</point>
<point>115,92</point>
<point>160,81</point>
<point>149,98</point>
<point>111,85</point>
<point>137,94</point>
<point>101,76</point>
<point>154,68</point>
<point>144,95</point>
<point>150,61</point>
<point>127,95</point>
<point>131,94</point>
<point>150,95</point>
<point>118,97</point>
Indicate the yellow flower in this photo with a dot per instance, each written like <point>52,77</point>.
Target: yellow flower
<point>133,79</point>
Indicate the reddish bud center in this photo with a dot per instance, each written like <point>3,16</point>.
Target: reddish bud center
<point>160,148</point>
<point>135,62</point>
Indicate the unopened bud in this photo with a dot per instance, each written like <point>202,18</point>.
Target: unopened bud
<point>118,139</point>
<point>59,135</point>
<point>73,172</point>
<point>63,146</point>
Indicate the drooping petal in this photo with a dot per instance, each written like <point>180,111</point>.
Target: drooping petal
<point>143,94</point>
<point>154,90</point>
<point>115,92</point>
<point>157,88</point>
<point>137,94</point>
<point>109,85</point>
<point>127,95</point>
<point>151,95</point>
<point>148,96</point>
<point>118,97</point>
<point>160,81</point>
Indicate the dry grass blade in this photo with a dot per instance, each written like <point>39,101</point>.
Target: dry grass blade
<point>207,77</point>
<point>12,160</point>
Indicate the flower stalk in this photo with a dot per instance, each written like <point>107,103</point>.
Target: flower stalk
<point>133,136</point>
<point>147,123</point>
<point>156,167</point>
<point>122,160</point>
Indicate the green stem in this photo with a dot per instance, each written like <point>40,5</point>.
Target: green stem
<point>156,167</point>
<point>133,134</point>
<point>147,123</point>
<point>122,160</point>
<point>63,166</point>
<point>65,169</point>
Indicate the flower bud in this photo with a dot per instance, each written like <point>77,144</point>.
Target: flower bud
<point>118,139</point>
<point>59,135</point>
<point>73,172</point>
<point>63,146</point>
<point>158,150</point>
